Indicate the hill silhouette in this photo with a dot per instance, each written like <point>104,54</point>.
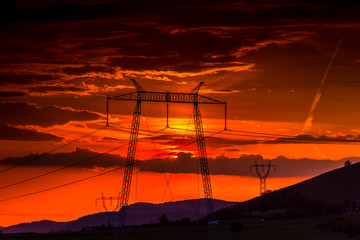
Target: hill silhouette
<point>137,214</point>
<point>325,194</point>
<point>339,184</point>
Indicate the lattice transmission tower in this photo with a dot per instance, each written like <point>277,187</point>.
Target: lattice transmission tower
<point>263,171</point>
<point>169,97</point>
<point>103,199</point>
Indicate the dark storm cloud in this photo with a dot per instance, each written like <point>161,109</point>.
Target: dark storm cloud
<point>217,142</point>
<point>306,138</point>
<point>55,11</point>
<point>44,89</point>
<point>185,163</point>
<point>86,69</point>
<point>110,139</point>
<point>9,94</point>
<point>147,29</point>
<point>62,10</point>
<point>223,165</point>
<point>89,159</point>
<point>19,113</point>
<point>24,78</point>
<point>95,41</point>
<point>18,134</point>
<point>150,35</point>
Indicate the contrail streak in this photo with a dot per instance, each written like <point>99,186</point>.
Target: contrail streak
<point>308,121</point>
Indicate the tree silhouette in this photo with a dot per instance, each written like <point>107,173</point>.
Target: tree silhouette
<point>163,220</point>
<point>347,163</point>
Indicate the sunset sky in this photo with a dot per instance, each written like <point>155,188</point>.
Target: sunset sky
<point>288,70</point>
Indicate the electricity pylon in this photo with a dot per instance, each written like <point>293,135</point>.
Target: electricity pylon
<point>263,174</point>
<point>111,199</point>
<point>194,98</point>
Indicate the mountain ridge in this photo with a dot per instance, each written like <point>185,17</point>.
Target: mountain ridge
<point>137,214</point>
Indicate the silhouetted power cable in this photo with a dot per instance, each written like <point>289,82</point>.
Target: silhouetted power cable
<point>260,133</point>
<point>238,191</point>
<point>160,162</point>
<point>249,186</point>
<point>67,166</point>
<point>62,185</point>
<point>224,189</point>
<point>48,118</point>
<point>189,143</point>
<point>172,170</point>
<point>53,150</point>
<point>278,138</point>
<point>235,134</point>
<point>173,166</point>
<point>87,178</point>
<point>140,130</point>
<point>282,137</point>
<point>100,154</point>
<point>62,168</point>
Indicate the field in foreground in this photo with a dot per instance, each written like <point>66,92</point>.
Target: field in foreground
<point>272,230</point>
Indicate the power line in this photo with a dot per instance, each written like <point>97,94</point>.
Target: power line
<point>295,138</point>
<point>100,154</point>
<point>84,160</point>
<point>53,150</point>
<point>42,120</point>
<point>243,135</point>
<point>233,182</point>
<point>87,178</point>
<point>62,168</point>
<point>65,167</point>
<point>173,167</point>
<point>161,165</point>
<point>261,133</point>
<point>285,138</point>
<point>62,185</point>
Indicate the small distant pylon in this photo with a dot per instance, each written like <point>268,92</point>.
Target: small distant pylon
<point>111,199</point>
<point>263,171</point>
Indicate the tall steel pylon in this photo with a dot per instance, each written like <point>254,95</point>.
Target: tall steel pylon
<point>194,98</point>
<point>263,174</point>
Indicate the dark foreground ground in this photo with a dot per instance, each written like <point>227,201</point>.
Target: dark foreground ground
<point>314,229</point>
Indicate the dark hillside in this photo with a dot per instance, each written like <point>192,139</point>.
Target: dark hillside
<point>318,196</point>
<point>339,184</point>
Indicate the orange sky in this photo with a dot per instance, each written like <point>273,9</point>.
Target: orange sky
<point>72,202</point>
<point>60,59</point>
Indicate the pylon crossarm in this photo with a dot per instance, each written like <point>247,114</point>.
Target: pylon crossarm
<point>166,97</point>
<point>138,87</point>
<point>197,88</point>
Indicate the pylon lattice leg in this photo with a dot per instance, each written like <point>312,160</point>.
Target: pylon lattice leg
<point>262,186</point>
<point>129,166</point>
<point>204,166</point>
